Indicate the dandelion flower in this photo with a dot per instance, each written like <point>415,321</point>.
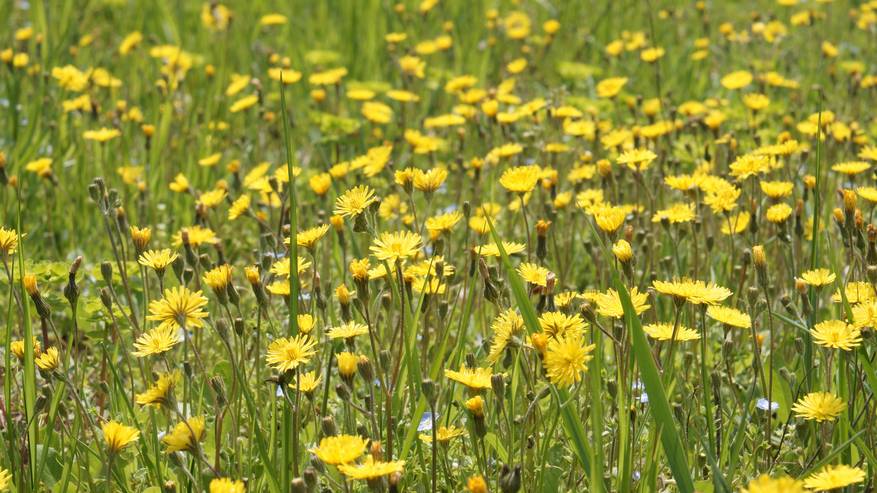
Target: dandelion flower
<point>180,307</point>
<point>354,201</point>
<point>819,406</point>
<point>185,435</point>
<point>157,260</point>
<point>348,330</point>
<point>371,469</point>
<point>664,332</point>
<point>340,449</point>
<point>395,247</point>
<point>692,291</point>
<point>473,378</point>
<point>227,485</point>
<point>118,436</point>
<point>49,360</point>
<point>287,353</point>
<point>534,274</point>
<point>833,477</point>
<point>161,391</point>
<point>767,484</point>
<point>520,179</point>
<point>836,334</point>
<point>729,316</point>
<point>566,359</point>
<point>158,340</point>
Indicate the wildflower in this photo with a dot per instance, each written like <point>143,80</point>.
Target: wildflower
<point>836,334</point>
<point>157,260</point>
<point>566,359</point>
<point>729,316</point>
<point>473,378</point>
<point>609,218</point>
<point>195,236</point>
<point>5,479</point>
<point>855,292</point>
<point>101,135</point>
<point>354,201</point>
<point>180,307</point>
<point>287,353</point>
<point>737,80</point>
<point>492,250</point>
<point>48,360</point>
<point>675,214</point>
<point>340,449</point>
<point>609,303</point>
<point>227,485</point>
<point>609,88</point>
<point>637,159</point>
<point>767,484</point>
<point>17,348</point>
<point>664,332</point>
<point>622,251</point>
<point>520,179</point>
<point>118,436</point>
<point>819,406</point>
<point>534,274</point>
<point>239,207</point>
<point>184,436</point>
<point>218,278</point>
<point>395,247</point>
<point>140,237</point>
<point>158,340</point>
<point>692,291</point>
<point>8,241</point>
<point>305,383</point>
<point>818,277</point>
<point>161,392</point>
<point>476,484</point>
<point>309,237</point>
<point>371,469</point>
<point>348,330</point>
<point>444,434</point>
<point>833,477</point>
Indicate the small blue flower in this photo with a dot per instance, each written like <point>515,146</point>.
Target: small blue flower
<point>762,404</point>
<point>644,398</point>
<point>426,422</point>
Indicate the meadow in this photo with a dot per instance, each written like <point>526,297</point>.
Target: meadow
<point>438,246</point>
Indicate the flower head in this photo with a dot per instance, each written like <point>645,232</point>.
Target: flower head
<point>833,477</point>
<point>287,353</point>
<point>767,484</point>
<point>340,449</point>
<point>180,307</point>
<point>354,201</point>
<point>819,406</point>
<point>394,247</point>
<point>158,340</point>
<point>836,334</point>
<point>692,291</point>
<point>161,392</point>
<point>371,468</point>
<point>473,378</point>
<point>227,485</point>
<point>118,436</point>
<point>566,359</point>
<point>185,435</point>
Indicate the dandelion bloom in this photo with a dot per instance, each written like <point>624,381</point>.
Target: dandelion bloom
<point>185,435</point>
<point>444,434</point>
<point>227,485</point>
<point>818,277</point>
<point>394,247</point>
<point>371,469</point>
<point>161,392</point>
<point>49,360</point>
<point>8,241</point>
<point>309,237</point>
<point>729,316</point>
<point>534,274</point>
<point>609,302</point>
<point>118,436</point>
<point>566,359</point>
<point>558,324</point>
<point>836,334</point>
<point>767,484</point>
<point>520,179</point>
<point>692,291</point>
<point>664,332</point>
<point>5,479</point>
<point>637,159</point>
<point>354,201</point>
<point>473,378</point>
<point>305,383</point>
<point>340,449</point>
<point>833,477</point>
<point>158,340</point>
<point>157,260</point>
<point>609,88</point>
<point>287,353</point>
<point>180,307</point>
<point>819,406</point>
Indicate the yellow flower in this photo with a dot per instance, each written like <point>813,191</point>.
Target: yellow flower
<point>566,358</point>
<point>819,406</point>
<point>273,19</point>
<point>305,383</point>
<point>818,277</point>
<point>677,213</point>
<point>622,251</point>
<point>836,334</point>
<point>180,184</point>
<point>130,42</point>
<point>371,469</point>
<point>185,435</point>
<point>664,332</point>
<point>288,76</point>
<point>778,213</point>
<point>443,434</point>
<point>651,55</point>
<point>534,274</point>
<point>196,236</point>
<point>558,324</point>
<point>856,292</point>
<point>244,103</point>
<point>17,348</point>
<point>161,392</point>
<point>5,479</point>
<point>833,477</point>
<point>609,218</point>
<point>476,484</point>
<point>729,316</point>
<point>354,201</point>
<point>492,250</point>
<point>158,340</point>
<point>227,485</point>
<point>776,189</point>
<point>766,484</point>
<point>218,278</point>
<point>507,325</point>
<point>737,80</point>
<point>429,181</point>
<point>396,247</point>
<point>41,167</point>
<point>749,165</point>
<point>473,378</point>
<point>377,112</point>
<point>348,330</point>
<point>609,88</point>
<point>101,135</point>
<point>309,237</point>
<point>851,167</point>
<point>180,307</point>
<point>475,405</point>
<point>118,436</point>
<point>157,260</point>
<point>692,291</point>
<point>210,160</point>
<point>637,159</point>
<point>49,360</point>
<point>8,241</point>
<point>738,221</point>
<point>340,449</point>
<point>521,179</point>
<point>287,353</point>
<point>328,77</point>
<point>609,303</point>
<point>347,364</point>
<point>756,101</point>
<point>239,207</point>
